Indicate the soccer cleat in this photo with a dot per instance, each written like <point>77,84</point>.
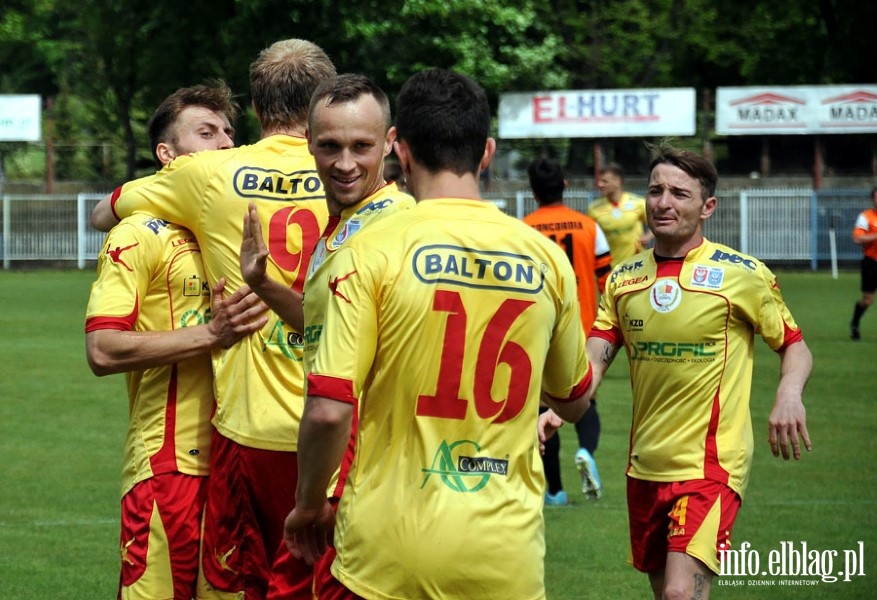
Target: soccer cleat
<point>591,486</point>
<point>558,499</point>
<point>854,332</point>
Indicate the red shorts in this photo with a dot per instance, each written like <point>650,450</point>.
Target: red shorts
<point>693,517</point>
<point>326,587</point>
<point>161,526</point>
<point>248,497</point>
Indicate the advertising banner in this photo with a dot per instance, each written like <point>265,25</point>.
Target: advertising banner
<point>597,113</point>
<point>20,118</point>
<point>787,110</point>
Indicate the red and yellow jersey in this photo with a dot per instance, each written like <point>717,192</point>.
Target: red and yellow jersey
<point>259,380</point>
<point>150,278</point>
<point>688,327</point>
<point>585,246</point>
<point>443,323</point>
<point>623,223</point>
<point>866,223</point>
<point>386,201</point>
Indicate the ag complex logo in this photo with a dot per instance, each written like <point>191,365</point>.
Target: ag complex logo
<point>460,472</point>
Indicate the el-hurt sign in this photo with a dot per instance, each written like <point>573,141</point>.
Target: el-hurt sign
<point>20,118</point>
<point>796,109</point>
<point>597,113</point>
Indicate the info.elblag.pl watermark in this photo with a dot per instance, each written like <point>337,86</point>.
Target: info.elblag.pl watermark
<point>792,564</point>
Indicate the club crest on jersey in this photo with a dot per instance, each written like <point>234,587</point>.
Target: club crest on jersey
<point>665,295</point>
<point>350,227</point>
<point>483,269</point>
<point>707,277</point>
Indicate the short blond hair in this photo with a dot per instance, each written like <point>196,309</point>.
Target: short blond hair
<point>282,80</point>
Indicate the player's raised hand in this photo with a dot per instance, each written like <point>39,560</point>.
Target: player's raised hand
<point>254,252</point>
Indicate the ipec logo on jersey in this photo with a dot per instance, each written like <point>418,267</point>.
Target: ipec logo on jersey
<point>271,184</point>
<point>483,269</point>
<point>374,206</point>
<point>625,268</point>
<point>461,472</point>
<point>665,295</point>
<point>707,277</point>
<point>734,259</point>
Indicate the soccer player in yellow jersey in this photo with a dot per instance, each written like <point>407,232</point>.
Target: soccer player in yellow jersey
<point>621,215</point>
<point>588,252</point>
<point>686,313</point>
<point>258,382</point>
<point>349,137</point>
<point>149,315</point>
<point>445,324</point>
<point>865,234</point>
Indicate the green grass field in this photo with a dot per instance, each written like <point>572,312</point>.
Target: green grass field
<point>61,431</point>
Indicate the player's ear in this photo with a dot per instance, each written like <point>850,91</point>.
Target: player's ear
<point>400,147</point>
<point>388,142</point>
<point>708,207</point>
<point>165,153</point>
<point>489,151</point>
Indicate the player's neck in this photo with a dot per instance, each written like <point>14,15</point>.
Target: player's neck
<point>444,184</point>
<point>290,131</point>
<point>616,197</point>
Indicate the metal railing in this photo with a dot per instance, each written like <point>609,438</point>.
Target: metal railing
<point>788,225</point>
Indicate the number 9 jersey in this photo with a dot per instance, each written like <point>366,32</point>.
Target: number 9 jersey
<point>258,381</point>
<point>444,323</point>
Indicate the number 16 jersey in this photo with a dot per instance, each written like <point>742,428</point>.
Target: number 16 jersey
<point>445,321</point>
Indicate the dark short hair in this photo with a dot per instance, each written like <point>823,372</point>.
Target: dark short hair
<point>546,180</point>
<point>283,79</point>
<point>214,95</point>
<point>444,117</point>
<point>693,164</point>
<point>348,87</point>
<point>614,168</point>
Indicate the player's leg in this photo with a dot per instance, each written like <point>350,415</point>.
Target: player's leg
<point>228,526</point>
<point>869,287</point>
<point>555,495</point>
<point>161,526</point>
<point>648,503</point>
<point>588,432</point>
<point>700,524</point>
<point>684,577</point>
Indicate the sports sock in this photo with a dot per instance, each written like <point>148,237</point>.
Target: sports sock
<point>857,313</point>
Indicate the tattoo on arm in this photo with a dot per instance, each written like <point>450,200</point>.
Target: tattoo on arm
<point>609,352</point>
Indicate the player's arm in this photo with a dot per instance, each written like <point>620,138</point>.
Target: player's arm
<point>322,441</point>
<point>102,216</point>
<point>602,258</point>
<point>113,351</point>
<point>601,353</point>
<point>283,300</point>
<point>788,419</point>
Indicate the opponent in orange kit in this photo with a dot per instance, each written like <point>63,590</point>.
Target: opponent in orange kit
<point>588,252</point>
<point>865,234</point>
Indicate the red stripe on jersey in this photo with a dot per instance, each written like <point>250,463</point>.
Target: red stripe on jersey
<point>711,468</point>
<point>165,460</point>
<point>333,388</point>
<point>125,323</point>
<point>579,389</point>
<point>115,196</point>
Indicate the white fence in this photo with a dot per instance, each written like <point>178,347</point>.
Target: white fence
<point>789,225</point>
